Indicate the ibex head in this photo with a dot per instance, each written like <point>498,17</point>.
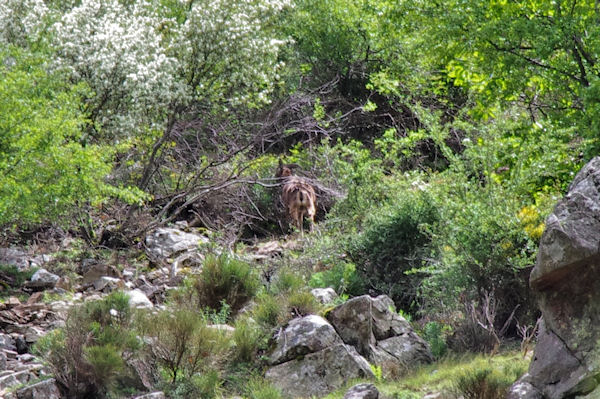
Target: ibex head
<point>285,170</point>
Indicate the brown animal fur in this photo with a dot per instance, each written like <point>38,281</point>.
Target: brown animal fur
<point>298,196</point>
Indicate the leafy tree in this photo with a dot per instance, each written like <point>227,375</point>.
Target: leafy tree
<point>539,54</point>
<point>45,167</point>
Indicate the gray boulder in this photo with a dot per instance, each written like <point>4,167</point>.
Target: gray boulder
<point>302,336</point>
<point>566,361</point>
<point>324,295</point>
<point>42,279</point>
<point>137,299</point>
<point>379,333</point>
<point>522,389</point>
<point>362,391</point>
<point>21,259</point>
<point>46,389</point>
<point>319,373</point>
<point>174,247</point>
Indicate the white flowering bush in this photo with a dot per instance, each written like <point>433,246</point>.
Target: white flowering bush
<point>145,60</point>
<point>117,50</point>
<point>23,22</point>
<point>144,63</point>
<point>228,52</point>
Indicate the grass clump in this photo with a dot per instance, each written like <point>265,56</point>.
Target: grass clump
<point>259,388</point>
<point>226,279</point>
<point>451,374</point>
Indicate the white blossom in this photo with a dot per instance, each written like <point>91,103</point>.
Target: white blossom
<point>139,62</point>
<point>118,51</point>
<point>22,21</point>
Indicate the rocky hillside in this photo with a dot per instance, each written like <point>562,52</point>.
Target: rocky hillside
<point>309,355</point>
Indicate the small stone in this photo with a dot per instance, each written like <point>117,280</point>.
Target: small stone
<point>109,284</point>
<point>33,334</point>
<point>63,283</point>
<point>153,395</point>
<point>7,342</point>
<point>46,389</point>
<point>137,299</point>
<point>12,302</point>
<point>42,279</point>
<point>34,298</point>
<point>22,346</point>
<point>362,391</point>
<point>324,295</point>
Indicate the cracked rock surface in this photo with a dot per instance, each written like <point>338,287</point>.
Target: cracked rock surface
<point>566,360</point>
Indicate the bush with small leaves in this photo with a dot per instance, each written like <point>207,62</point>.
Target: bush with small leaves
<point>395,246</point>
<point>225,278</point>
<point>434,335</point>
<point>269,310</point>
<point>342,277</point>
<point>207,385</point>
<point>87,355</point>
<point>181,341</point>
<point>248,338</point>
<point>302,303</point>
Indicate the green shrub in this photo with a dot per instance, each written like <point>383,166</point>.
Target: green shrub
<point>248,338</point>
<point>224,278</point>
<point>481,248</point>
<point>395,246</point>
<point>106,361</point>
<point>302,303</point>
<point>342,277</point>
<point>86,356</point>
<point>434,335</point>
<point>182,342</point>
<point>269,310</point>
<point>207,385</point>
<point>287,280</point>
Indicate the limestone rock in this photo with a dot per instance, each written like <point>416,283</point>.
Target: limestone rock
<point>42,279</point>
<point>324,295</point>
<point>362,391</point>
<point>15,379</point>
<point>21,259</point>
<point>302,336</point>
<point>378,333</point>
<point>92,270</point>
<point>153,395</point>
<point>566,361</point>
<point>109,284</point>
<point>319,373</point>
<point>137,299</point>
<point>174,247</point>
<point>523,389</point>
<point>46,389</point>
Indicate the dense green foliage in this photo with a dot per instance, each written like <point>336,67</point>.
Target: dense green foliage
<point>44,167</point>
<point>394,246</point>
<point>439,135</point>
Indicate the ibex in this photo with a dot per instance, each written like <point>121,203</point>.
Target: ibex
<point>298,196</point>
